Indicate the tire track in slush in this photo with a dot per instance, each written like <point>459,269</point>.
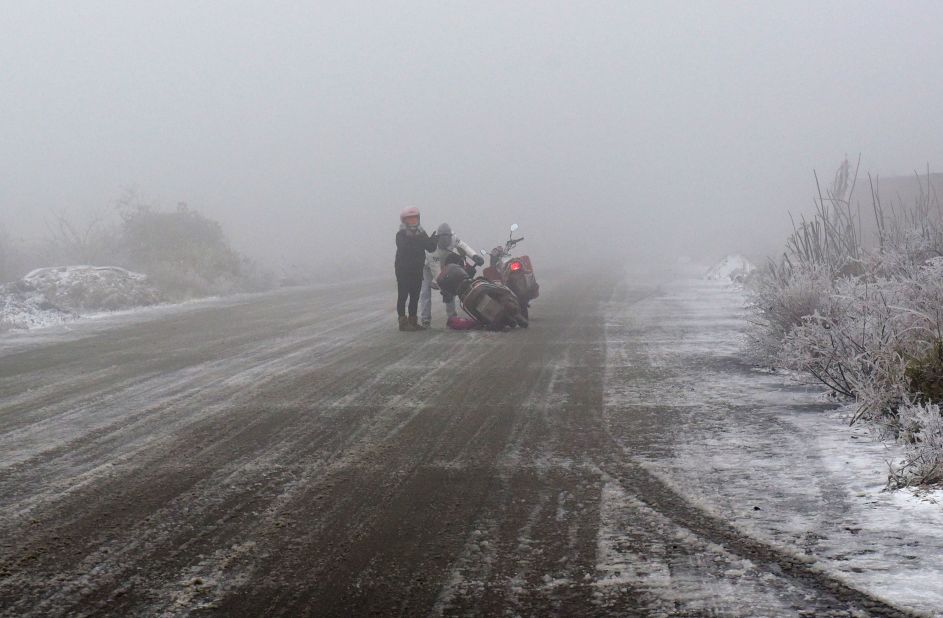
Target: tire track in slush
<point>124,425</point>
<point>72,520</point>
<point>532,548</point>
<point>406,515</point>
<point>280,434</point>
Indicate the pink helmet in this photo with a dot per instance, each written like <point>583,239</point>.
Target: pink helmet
<point>410,211</point>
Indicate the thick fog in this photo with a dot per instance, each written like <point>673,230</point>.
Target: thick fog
<point>648,129</point>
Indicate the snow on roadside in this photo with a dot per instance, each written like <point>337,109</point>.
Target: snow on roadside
<point>92,288</point>
<point>642,560</point>
<point>775,459</point>
<point>733,267</point>
<point>54,295</point>
<point>19,312</point>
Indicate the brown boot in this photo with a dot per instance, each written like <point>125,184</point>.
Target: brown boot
<point>414,324</point>
<point>404,323</point>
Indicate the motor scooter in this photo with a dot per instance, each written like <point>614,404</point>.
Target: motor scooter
<point>517,273</point>
<point>490,303</point>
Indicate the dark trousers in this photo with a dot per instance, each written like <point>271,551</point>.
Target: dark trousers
<point>408,288</point>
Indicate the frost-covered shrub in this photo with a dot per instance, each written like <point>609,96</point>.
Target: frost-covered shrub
<point>857,344</point>
<point>866,322</point>
<point>921,431</point>
<point>185,253</point>
<point>818,252</point>
<point>875,336</point>
<point>782,299</point>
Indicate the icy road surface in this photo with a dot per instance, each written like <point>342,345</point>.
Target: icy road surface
<point>295,455</point>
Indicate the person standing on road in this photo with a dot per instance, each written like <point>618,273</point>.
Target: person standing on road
<point>412,243</point>
<point>446,244</point>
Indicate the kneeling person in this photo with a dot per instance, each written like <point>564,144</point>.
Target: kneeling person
<point>449,249</point>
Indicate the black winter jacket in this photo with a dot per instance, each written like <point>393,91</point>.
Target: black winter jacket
<point>411,252</point>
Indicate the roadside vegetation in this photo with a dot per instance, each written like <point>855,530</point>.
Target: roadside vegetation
<point>138,253</point>
<point>855,303</point>
<point>184,253</point>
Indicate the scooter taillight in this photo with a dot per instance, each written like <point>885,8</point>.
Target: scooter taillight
<point>515,266</point>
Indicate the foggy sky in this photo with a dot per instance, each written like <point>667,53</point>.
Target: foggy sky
<point>305,127</point>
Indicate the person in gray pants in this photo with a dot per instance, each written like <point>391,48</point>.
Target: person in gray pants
<point>447,243</point>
